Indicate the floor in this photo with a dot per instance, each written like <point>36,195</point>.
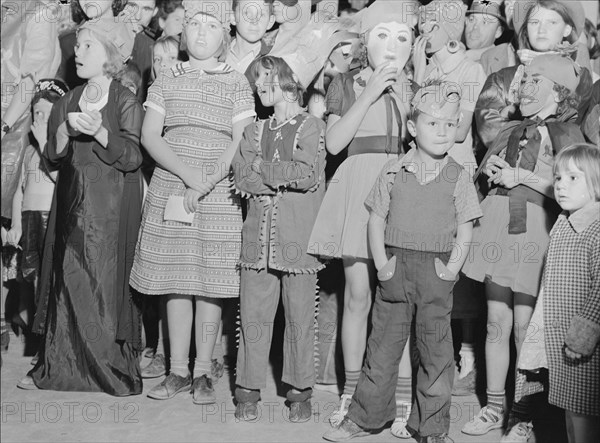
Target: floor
<point>36,416</point>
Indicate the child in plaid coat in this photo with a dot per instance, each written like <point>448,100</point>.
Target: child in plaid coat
<point>572,293</point>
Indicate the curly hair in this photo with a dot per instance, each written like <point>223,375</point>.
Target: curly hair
<point>79,16</point>
<point>114,62</point>
<point>284,73</point>
<point>567,99</point>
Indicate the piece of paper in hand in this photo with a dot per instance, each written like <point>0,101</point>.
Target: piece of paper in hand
<point>174,211</point>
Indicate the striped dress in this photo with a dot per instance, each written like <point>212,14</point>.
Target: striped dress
<point>200,259</point>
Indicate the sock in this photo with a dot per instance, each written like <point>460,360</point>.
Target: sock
<point>467,359</point>
<point>495,401</point>
<point>160,344</point>
<point>351,382</point>
<point>218,352</point>
<point>201,367</point>
<point>403,396</point>
<point>520,412</point>
<point>179,367</point>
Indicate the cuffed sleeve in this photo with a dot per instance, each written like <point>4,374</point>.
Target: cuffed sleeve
<point>123,149</point>
<point>247,178</point>
<point>307,168</point>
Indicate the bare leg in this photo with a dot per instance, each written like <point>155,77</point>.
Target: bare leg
<point>208,326</point>
<point>180,316</point>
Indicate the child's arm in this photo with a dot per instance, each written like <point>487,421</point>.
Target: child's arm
<point>162,153</point>
<point>501,173</point>
<point>222,168</point>
<point>246,166</point>
<point>13,237</point>
<point>583,334</point>
<point>460,251</point>
<point>224,162</point>
<point>307,168</point>
<point>119,148</point>
<point>341,130</point>
<point>375,231</point>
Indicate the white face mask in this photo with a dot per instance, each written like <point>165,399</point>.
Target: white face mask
<point>389,43</point>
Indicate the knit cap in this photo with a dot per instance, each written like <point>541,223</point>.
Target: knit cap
<point>119,33</point>
<point>560,69</point>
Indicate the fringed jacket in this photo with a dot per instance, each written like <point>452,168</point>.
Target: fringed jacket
<point>281,170</point>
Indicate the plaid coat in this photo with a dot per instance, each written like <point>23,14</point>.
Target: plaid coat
<point>572,311</point>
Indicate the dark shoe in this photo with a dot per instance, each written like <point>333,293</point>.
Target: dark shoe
<point>4,338</point>
<point>441,438</point>
<point>19,326</point>
<point>346,431</point>
<point>247,404</point>
<point>172,385</point>
<point>27,383</point>
<point>156,367</point>
<point>202,390</point>
<point>300,406</point>
<point>216,370</point>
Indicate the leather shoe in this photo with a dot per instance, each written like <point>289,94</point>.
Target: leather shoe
<point>172,385</point>
<point>202,390</point>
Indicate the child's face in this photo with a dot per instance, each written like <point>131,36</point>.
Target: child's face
<point>571,189</point>
<point>90,55</point>
<point>546,29</point>
<point>173,24</point>
<point>268,88</point>
<point>252,19</point>
<point>537,95</point>
<point>389,43</point>
<point>284,13</point>
<point>95,8</point>
<point>140,12</point>
<point>204,37</point>
<point>164,56</point>
<point>481,30</point>
<point>435,136</point>
<point>41,111</point>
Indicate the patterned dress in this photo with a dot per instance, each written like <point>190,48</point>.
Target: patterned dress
<point>572,311</point>
<point>200,259</point>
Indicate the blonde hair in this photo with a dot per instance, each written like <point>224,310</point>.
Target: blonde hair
<point>586,158</point>
<point>114,62</point>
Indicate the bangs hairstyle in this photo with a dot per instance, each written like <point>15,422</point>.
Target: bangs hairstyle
<point>221,54</point>
<point>552,5</point>
<point>79,16</point>
<point>278,67</point>
<point>586,158</point>
<point>114,63</point>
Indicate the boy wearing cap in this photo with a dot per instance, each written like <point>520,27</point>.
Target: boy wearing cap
<point>486,24</point>
<point>441,24</point>
<point>418,259</point>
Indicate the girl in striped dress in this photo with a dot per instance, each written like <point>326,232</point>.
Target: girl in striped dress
<point>190,239</point>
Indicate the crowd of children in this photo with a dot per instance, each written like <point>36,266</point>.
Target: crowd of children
<point>186,154</point>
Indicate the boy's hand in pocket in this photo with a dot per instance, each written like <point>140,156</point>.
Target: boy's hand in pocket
<point>387,271</point>
<point>443,272</point>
